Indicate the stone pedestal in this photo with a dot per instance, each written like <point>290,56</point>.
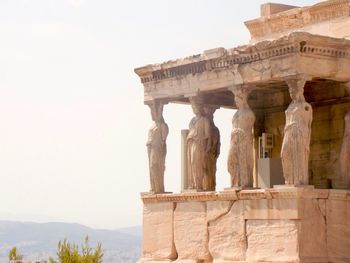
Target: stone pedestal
<point>269,172</point>
<point>267,225</point>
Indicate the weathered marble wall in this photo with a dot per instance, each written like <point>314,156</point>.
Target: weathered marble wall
<point>271,225</point>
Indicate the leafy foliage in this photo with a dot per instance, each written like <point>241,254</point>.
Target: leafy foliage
<point>14,255</point>
<point>69,253</point>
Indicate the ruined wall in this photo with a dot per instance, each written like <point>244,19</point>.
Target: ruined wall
<point>275,225</point>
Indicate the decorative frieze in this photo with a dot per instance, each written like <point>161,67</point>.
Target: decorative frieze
<point>284,192</point>
<point>295,43</point>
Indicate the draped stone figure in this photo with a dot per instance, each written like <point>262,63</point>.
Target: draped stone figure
<point>344,158</point>
<point>241,154</point>
<point>156,147</point>
<point>197,145</point>
<point>297,133</point>
<point>209,181</point>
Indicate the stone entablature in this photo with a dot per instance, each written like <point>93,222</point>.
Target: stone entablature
<point>302,19</point>
<point>261,63</point>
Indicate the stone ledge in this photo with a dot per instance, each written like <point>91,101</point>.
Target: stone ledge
<point>335,194</point>
<point>232,195</point>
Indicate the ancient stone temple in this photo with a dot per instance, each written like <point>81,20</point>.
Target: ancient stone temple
<point>289,157</point>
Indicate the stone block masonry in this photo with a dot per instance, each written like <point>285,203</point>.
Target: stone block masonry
<point>287,224</point>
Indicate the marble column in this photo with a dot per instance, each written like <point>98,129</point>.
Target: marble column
<point>240,161</point>
<point>259,128</point>
<point>198,145</point>
<point>209,181</point>
<point>344,158</point>
<point>184,170</point>
<point>156,147</point>
<point>297,133</point>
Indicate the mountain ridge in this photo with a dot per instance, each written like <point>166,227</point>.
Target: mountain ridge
<point>39,240</point>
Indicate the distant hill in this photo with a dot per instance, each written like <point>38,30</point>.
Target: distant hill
<point>39,240</point>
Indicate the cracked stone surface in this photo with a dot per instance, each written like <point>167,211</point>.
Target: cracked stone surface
<point>158,240</point>
<point>338,230</point>
<point>190,231</point>
<point>272,240</point>
<point>216,209</point>
<point>314,228</point>
<point>312,232</point>
<point>227,239</point>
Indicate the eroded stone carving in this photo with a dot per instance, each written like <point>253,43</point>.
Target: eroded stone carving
<point>344,157</point>
<point>209,180</point>
<point>297,18</point>
<point>198,145</point>
<point>156,147</point>
<point>240,160</point>
<point>297,132</point>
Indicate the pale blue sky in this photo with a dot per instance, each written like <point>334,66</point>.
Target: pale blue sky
<point>72,121</point>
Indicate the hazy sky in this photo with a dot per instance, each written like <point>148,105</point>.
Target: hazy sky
<point>73,125</point>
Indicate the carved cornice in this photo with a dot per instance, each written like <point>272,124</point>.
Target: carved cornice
<point>298,17</point>
<point>295,43</point>
<point>231,195</point>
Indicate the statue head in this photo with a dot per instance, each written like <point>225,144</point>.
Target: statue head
<point>209,111</point>
<point>241,96</point>
<point>197,106</point>
<point>156,111</point>
<point>296,89</point>
<point>296,93</point>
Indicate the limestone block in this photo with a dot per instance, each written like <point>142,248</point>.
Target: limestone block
<point>227,239</point>
<point>271,209</point>
<point>312,232</point>
<point>269,9</point>
<point>338,230</point>
<point>272,240</point>
<point>310,227</point>
<point>338,212</point>
<point>216,209</point>
<point>322,206</point>
<point>158,240</point>
<point>190,231</point>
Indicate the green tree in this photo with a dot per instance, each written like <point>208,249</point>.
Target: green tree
<point>69,253</point>
<point>14,255</point>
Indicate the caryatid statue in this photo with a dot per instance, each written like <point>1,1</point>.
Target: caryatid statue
<point>156,147</point>
<point>240,161</point>
<point>209,181</point>
<point>198,145</point>
<point>344,158</point>
<point>297,133</point>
